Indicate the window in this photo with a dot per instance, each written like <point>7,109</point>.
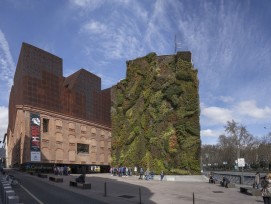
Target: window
<point>82,148</point>
<point>45,125</point>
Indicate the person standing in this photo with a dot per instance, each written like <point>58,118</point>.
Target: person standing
<point>266,189</point>
<point>257,180</point>
<point>135,170</point>
<point>162,175</point>
<point>147,174</point>
<point>141,173</point>
<point>69,170</point>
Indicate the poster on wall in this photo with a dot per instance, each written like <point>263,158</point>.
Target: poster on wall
<point>35,156</point>
<point>35,136</point>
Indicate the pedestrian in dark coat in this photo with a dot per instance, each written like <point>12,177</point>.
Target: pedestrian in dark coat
<point>266,189</point>
<point>162,175</point>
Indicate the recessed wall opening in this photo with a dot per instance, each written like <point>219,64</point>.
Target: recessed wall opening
<point>45,124</point>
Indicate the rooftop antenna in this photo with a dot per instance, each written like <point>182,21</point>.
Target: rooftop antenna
<point>177,45</point>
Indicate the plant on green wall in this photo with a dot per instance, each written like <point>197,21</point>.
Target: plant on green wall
<point>155,115</point>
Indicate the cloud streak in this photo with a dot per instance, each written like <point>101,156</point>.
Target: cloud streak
<point>131,33</point>
<point>7,65</point>
<point>88,5</point>
<point>4,121</point>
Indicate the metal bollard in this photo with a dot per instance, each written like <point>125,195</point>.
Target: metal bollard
<point>3,184</point>
<point>8,193</point>
<point>5,188</point>
<point>13,199</point>
<point>105,189</point>
<point>193,198</point>
<point>139,195</point>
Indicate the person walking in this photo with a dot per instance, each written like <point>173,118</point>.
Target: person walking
<point>141,173</point>
<point>162,175</point>
<point>257,180</point>
<point>266,189</point>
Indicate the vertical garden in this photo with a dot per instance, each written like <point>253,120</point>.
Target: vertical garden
<point>155,115</point>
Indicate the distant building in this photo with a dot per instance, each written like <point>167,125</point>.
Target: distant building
<point>56,120</point>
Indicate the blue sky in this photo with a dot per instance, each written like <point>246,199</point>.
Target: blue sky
<point>230,43</point>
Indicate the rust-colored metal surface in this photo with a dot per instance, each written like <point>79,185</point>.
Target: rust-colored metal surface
<point>39,82</point>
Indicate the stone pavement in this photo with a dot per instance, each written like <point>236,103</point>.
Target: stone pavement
<point>125,190</point>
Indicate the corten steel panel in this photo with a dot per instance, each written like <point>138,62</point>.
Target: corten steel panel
<point>39,82</point>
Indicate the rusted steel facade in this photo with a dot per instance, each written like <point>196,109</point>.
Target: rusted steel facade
<point>76,109</point>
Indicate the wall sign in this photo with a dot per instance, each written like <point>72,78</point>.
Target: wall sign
<point>35,137</point>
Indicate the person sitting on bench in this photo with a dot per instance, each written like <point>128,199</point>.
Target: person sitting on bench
<point>211,179</point>
<point>225,182</point>
<point>81,178</point>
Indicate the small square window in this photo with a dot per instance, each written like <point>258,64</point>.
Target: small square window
<point>82,148</point>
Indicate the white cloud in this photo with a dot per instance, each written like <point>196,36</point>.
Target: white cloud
<point>87,4</point>
<point>94,27</point>
<point>3,121</point>
<point>226,99</point>
<point>245,112</point>
<point>216,115</point>
<point>250,109</point>
<point>210,133</point>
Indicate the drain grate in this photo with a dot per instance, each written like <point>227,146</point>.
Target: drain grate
<point>218,191</point>
<point>126,196</point>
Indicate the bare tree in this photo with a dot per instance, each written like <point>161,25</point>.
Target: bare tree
<point>227,149</point>
<point>264,150</point>
<point>236,143</point>
<point>240,136</point>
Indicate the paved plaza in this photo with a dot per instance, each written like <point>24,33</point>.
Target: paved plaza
<point>124,190</point>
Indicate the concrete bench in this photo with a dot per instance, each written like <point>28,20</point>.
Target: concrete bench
<point>83,185</point>
<point>227,184</point>
<point>73,183</point>
<point>42,175</point>
<point>230,185</point>
<point>216,181</point>
<point>251,191</point>
<point>55,179</point>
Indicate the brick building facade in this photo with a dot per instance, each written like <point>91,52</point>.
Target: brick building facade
<point>55,119</point>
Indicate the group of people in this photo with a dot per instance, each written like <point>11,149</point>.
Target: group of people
<point>121,171</point>
<point>149,174</point>
<point>127,171</point>
<point>259,182</point>
<point>62,170</point>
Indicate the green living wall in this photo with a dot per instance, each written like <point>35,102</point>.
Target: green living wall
<point>155,115</point>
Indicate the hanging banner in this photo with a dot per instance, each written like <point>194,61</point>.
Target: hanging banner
<point>35,137</point>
